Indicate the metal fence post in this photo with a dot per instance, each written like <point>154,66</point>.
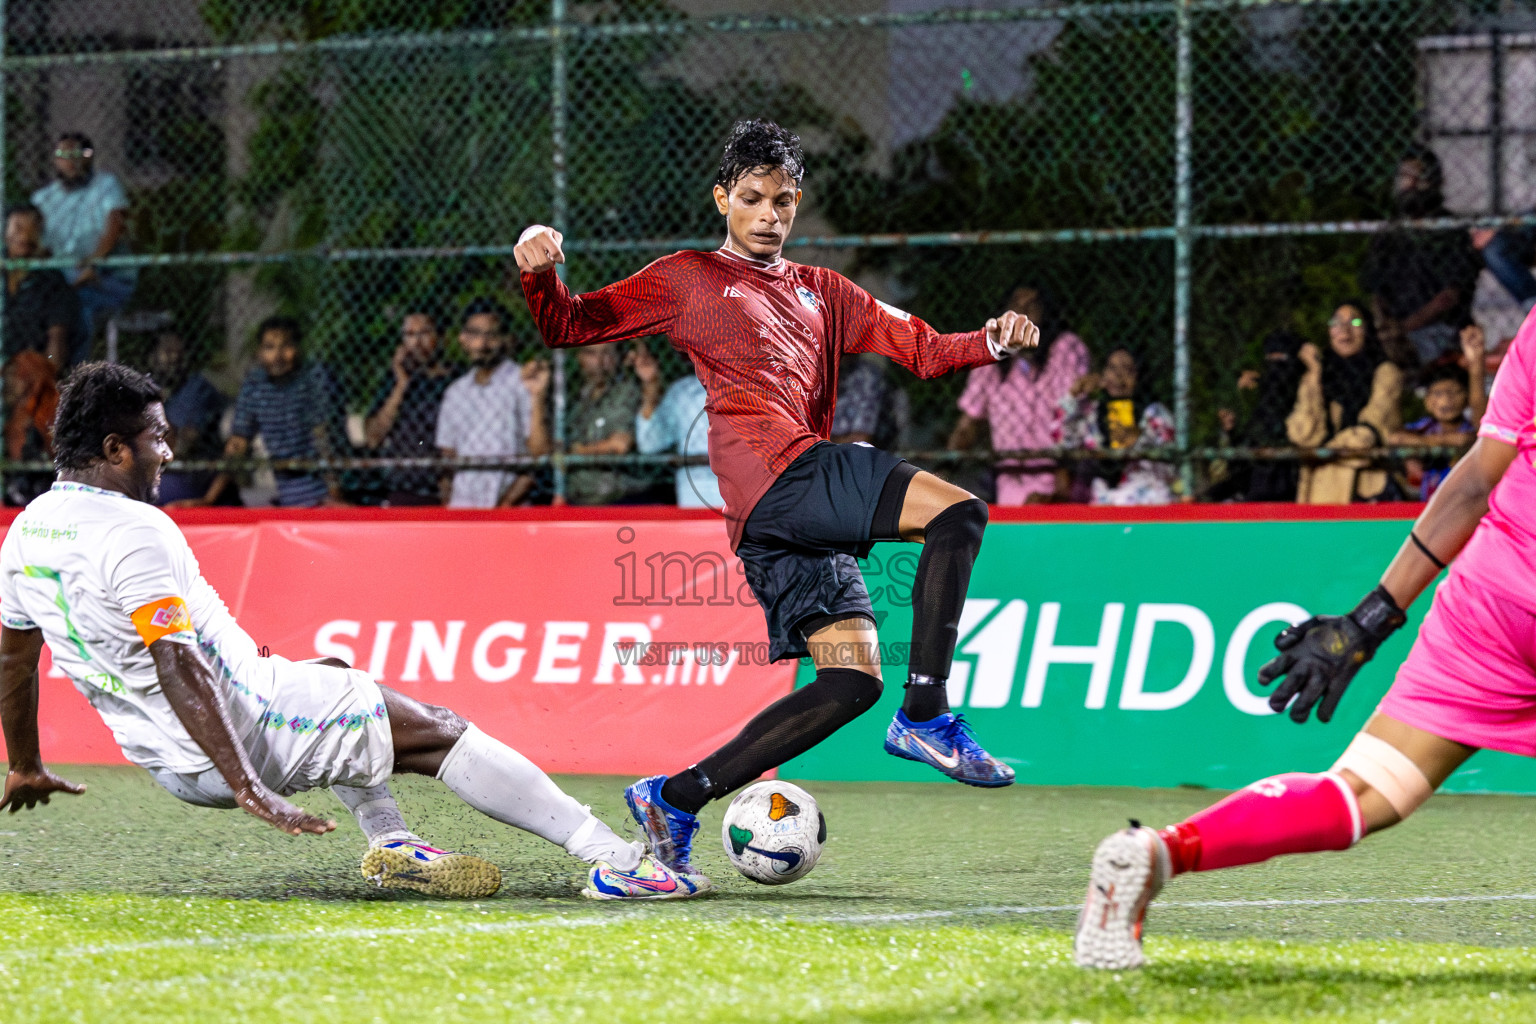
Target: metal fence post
<point>1495,122</point>
<point>1182,240</point>
<point>559,217</point>
<point>5,275</point>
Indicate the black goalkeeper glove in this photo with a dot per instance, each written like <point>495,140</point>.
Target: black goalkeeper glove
<point>1320,656</point>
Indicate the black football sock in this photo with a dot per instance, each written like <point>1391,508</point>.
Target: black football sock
<point>950,545</point>
<point>925,698</point>
<point>784,729</point>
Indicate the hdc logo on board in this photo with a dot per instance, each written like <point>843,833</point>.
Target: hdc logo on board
<point>992,645</point>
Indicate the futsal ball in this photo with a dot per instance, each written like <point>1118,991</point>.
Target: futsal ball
<point>773,832</point>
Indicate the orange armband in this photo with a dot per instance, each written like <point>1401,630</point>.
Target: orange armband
<point>160,619</point>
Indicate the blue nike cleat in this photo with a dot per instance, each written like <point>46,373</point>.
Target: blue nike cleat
<point>946,743</point>
<point>668,831</point>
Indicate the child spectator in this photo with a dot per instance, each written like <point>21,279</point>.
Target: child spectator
<point>293,406</point>
<point>1103,412</point>
<point>1348,398</point>
<point>1455,399</point>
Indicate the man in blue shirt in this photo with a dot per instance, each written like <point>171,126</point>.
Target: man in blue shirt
<point>85,214</point>
<point>675,422</point>
<point>294,406</point>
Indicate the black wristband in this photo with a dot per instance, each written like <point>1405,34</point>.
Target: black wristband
<point>1426,552</point>
<point>1378,615</point>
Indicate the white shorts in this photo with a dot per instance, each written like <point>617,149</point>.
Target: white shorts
<point>304,727</point>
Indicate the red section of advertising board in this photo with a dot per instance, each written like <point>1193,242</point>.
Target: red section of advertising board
<point>528,628</point>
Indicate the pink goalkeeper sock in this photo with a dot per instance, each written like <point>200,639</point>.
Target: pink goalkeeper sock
<point>1291,813</point>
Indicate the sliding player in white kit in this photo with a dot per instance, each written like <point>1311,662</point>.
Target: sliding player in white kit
<point>109,581</point>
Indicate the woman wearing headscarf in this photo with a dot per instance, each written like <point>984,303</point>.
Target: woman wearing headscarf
<point>1349,397</point>
<point>1274,387</point>
<point>1107,411</point>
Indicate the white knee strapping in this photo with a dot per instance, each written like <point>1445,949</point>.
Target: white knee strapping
<point>1388,771</point>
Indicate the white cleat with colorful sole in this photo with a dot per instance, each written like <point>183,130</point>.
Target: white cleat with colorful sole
<point>1129,868</point>
<point>650,880</point>
<point>414,866</point>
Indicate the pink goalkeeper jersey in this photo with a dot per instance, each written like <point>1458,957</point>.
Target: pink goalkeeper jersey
<point>1502,552</point>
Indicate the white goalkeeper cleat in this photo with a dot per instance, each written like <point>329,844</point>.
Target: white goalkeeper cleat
<point>413,865</point>
<point>1129,868</point>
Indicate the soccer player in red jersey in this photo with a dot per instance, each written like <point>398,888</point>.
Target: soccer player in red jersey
<point>1468,683</point>
<point>766,336</point>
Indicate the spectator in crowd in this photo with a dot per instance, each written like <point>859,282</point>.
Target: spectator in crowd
<point>85,213</point>
<point>869,407</point>
<point>292,404</point>
<point>496,409</point>
<point>1421,283</point>
<point>402,423</point>
<point>1020,397</point>
<point>602,422</point>
<point>1274,389</point>
<point>1348,398</point>
<point>1508,254</point>
<point>42,312</point>
<point>675,422</point>
<point>1455,400</point>
<point>1105,412</point>
<point>193,408</point>
<point>31,398</point>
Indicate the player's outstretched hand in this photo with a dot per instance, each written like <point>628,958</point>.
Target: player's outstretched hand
<point>539,249</point>
<point>281,814</point>
<point>26,788</point>
<point>1319,657</point>
<point>1013,332</point>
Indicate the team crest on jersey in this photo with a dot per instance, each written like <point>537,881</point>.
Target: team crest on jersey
<point>807,298</point>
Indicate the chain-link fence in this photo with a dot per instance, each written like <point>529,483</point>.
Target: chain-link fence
<point>1199,183</point>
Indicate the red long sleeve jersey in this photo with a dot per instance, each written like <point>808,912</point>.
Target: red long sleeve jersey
<point>765,341</point>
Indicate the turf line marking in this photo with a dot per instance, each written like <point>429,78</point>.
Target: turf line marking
<point>401,931</point>
<point>494,927</point>
<point>928,915</point>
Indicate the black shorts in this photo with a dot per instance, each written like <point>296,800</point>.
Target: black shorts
<point>801,542</point>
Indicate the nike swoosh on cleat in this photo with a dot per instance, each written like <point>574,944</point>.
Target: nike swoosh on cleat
<point>669,885</point>
<point>950,760</point>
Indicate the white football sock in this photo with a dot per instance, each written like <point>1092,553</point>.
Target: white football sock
<point>595,841</point>
<point>376,812</point>
<point>499,782</point>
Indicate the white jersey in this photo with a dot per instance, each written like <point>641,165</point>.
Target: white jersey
<point>78,563</point>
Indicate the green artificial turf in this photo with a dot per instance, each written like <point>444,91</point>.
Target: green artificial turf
<point>932,902</point>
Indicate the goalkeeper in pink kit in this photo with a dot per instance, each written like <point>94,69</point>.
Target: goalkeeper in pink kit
<point>1469,683</point>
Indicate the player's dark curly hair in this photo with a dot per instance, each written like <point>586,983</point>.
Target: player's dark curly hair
<point>96,400</point>
<point>753,144</point>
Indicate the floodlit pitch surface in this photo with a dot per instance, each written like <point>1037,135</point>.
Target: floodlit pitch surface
<point>932,902</point>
